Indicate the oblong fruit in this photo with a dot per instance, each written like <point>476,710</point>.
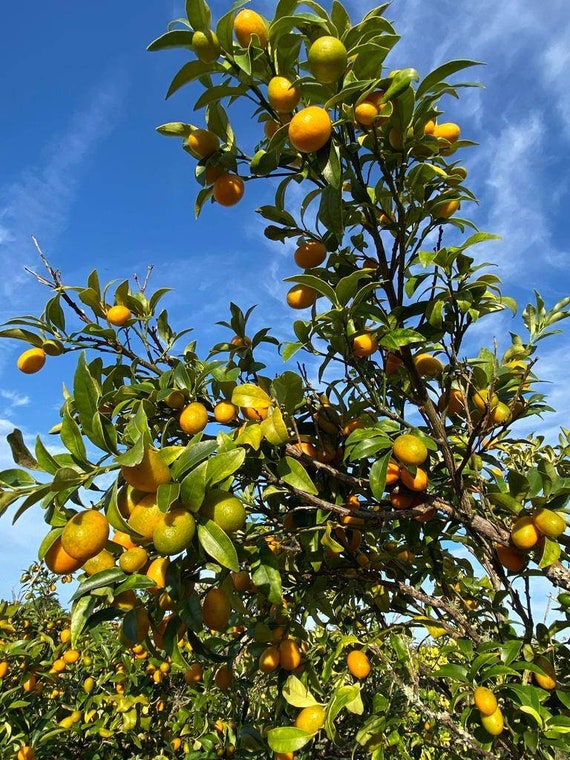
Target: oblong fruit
<point>524,534</point>
<point>311,718</point>
<point>410,449</point>
<point>289,654</point>
<point>547,679</point>
<point>358,664</point>
<point>494,723</point>
<point>485,700</point>
<point>549,523</point>
<point>31,361</point>
<point>216,609</point>
<point>269,660</point>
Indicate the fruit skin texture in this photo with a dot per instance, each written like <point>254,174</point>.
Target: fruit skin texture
<point>228,189</point>
<point>310,129</point>
<point>485,700</point>
<point>174,532</point>
<point>549,523</point>
<point>311,719</point>
<point>301,297</point>
<point>26,753</point>
<point>225,509</point>
<point>446,209</point>
<point>206,46</point>
<point>289,654</point>
<point>310,254</point>
<point>85,534</point>
<point>225,412</point>
<point>449,131</point>
<point>494,723</point>
<point>193,418</point>
<point>150,473</point>
<point>513,560</point>
<point>328,59</point>
<point>524,534</point>
<point>59,561</point>
<point>145,517</point>
<point>358,664</point>
<point>417,482</point>
<point>194,673</point>
<point>364,345</point>
<point>428,365</point>
<point>282,96</point>
<point>409,449</point>
<point>546,680</point>
<point>223,678</point>
<point>31,361</point>
<point>269,660</point>
<point>118,315</point>
<point>202,143</point>
<point>216,610</point>
<point>246,24</point>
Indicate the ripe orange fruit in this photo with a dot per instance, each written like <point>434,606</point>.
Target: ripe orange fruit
<point>510,558</point>
<point>193,418</point>
<point>174,532</point>
<point>310,254</point>
<point>269,659</point>
<point>282,96</point>
<point>225,509</point>
<point>358,664</point>
<point>58,666</point>
<point>289,654</point>
<point>133,560</point>
<point>365,113</point>
<point>401,499</point>
<point>156,571</point>
<point>524,534</point>
<point>145,517</point>
<point>4,668</point>
<point>246,24</point>
<point>206,46</point>
<point>392,473</point>
<point>71,656</point>
<point>202,143</point>
<point>445,209</point>
<point>118,315</point>
<point>301,297</point>
<point>59,561</point>
<point>485,700</point>
<point>549,523</point>
<point>65,636</point>
<point>428,365</point>
<point>429,127</point>
<point>364,345</point>
<point>284,756</point>
<point>31,361</point>
<point>104,560</point>
<point>354,424</point>
<point>410,449</point>
<point>452,401</point>
<point>547,679</point>
<point>494,723</point>
<point>216,609</point>
<point>85,534</point>
<point>194,673</point>
<point>448,131</point>
<point>310,129</point>
<point>328,59</point>
<point>228,189</point>
<point>241,580</point>
<point>311,719</point>
<point>225,412</point>
<point>124,540</point>
<point>417,482</point>
<point>26,753</point>
<point>223,677</point>
<point>150,473</point>
<point>255,413</point>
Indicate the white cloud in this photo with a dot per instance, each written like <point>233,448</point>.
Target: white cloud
<point>15,398</point>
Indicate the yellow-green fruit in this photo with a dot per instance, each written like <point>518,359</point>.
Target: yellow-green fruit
<point>225,509</point>
<point>482,400</point>
<point>311,718</point>
<point>206,45</point>
<point>328,59</point>
<point>524,534</point>
<point>549,523</point>
<point>500,414</point>
<point>494,723</point>
<point>547,679</point>
<point>216,609</point>
<point>485,700</point>
<point>53,347</point>
<point>174,532</point>
<point>150,473</point>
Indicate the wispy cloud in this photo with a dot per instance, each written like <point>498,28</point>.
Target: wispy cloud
<point>15,398</point>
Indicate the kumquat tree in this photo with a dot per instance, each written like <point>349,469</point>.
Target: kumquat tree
<point>337,551</point>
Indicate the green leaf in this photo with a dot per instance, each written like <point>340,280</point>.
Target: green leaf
<point>177,38</point>
<point>190,71</point>
<point>294,474</point>
<point>20,452</point>
<point>453,671</point>
<point>198,14</point>
<point>193,454</point>
<point>250,395</point>
<point>330,209</point>
<point>71,436</point>
<point>287,389</point>
<point>400,82</point>
<point>348,286</point>
<point>98,580</point>
<point>175,129</point>
<point>80,613</point>
<point>223,465</point>
<point>297,694</point>
<point>193,487</point>
<point>218,544</point>
<point>287,739</point>
<point>377,475</point>
<point>443,71</point>
<point>343,696</point>
<point>274,429</point>
<point>400,337</point>
<point>113,512</point>
<point>87,395</point>
<point>550,553</point>
<point>266,575</point>
<point>317,284</point>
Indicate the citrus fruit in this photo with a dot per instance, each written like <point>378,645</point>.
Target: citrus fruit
<point>417,482</point>
<point>445,209</point>
<point>59,561</point>
<point>193,418</point>
<point>392,473</point>
<point>88,684</point>
<point>156,571</point>
<point>225,509</point>
<point>483,401</point>
<point>175,399</point>
<point>246,24</point>
<point>145,517</point>
<point>194,673</point>
<point>133,560</point>
<point>364,345</point>
<point>124,540</point>
<point>453,402</point>
<point>401,499</point>
<point>206,46</point>
<point>365,113</point>
<point>202,143</point>
<point>4,668</point>
<point>241,580</point>
<point>485,700</point>
<point>223,677</point>
<point>150,473</point>
<point>311,719</point>
<point>429,127</point>
<point>284,756</point>
<point>118,315</point>
<point>31,361</point>
<point>500,414</point>
<point>494,723</point>
<point>174,532</point>
<point>457,175</point>
<point>358,664</point>
<point>428,365</point>
<point>448,131</point>
<point>547,679</point>
<point>26,753</point>
<point>85,534</point>
<point>282,96</point>
<point>216,609</point>
<point>328,59</point>
<point>549,523</point>
<point>225,412</point>
<point>310,129</point>
<point>510,558</point>
<point>135,633</point>
<point>524,534</point>
<point>289,654</point>
<point>53,347</point>
<point>65,636</point>
<point>71,656</point>
<point>310,254</point>
<point>410,449</point>
<point>255,413</point>
<point>301,297</point>
<point>269,659</point>
<point>128,498</point>
<point>228,189</point>
<point>103,560</point>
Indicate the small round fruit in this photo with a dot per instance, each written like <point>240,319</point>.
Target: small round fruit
<point>269,659</point>
<point>225,509</point>
<point>417,482</point>
<point>118,315</point>
<point>194,673</point>
<point>358,664</point>
<point>133,560</point>
<point>364,345</point>
<point>193,418</point>
<point>428,365</point>
<point>549,523</point>
<point>174,532</point>
<point>310,129</point>
<point>301,297</point>
<point>485,700</point>
<point>216,609</point>
<point>53,347</point>
<point>311,719</point>
<point>289,654</point>
<point>246,24</point>
<point>59,561</point>
<point>328,59</point>
<point>365,113</point>
<point>494,723</point>
<point>31,361</point>
<point>483,401</point>
<point>510,558</point>
<point>223,677</point>
<point>228,189</point>
<point>206,46</point>
<point>547,679</point>
<point>202,143</point>
<point>225,412</point>
<point>85,534</point>
<point>445,209</point>
<point>310,254</point>
<point>410,449</point>
<point>282,95</point>
<point>448,131</point>
<point>524,534</point>
<point>500,414</point>
<point>149,474</point>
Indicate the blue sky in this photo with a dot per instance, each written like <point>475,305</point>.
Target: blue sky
<point>84,170</point>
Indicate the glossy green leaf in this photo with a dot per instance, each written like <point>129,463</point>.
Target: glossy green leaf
<point>287,739</point>
<point>297,694</point>
<point>292,472</point>
<point>218,544</point>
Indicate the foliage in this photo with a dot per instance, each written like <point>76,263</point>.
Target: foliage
<point>342,548</point>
